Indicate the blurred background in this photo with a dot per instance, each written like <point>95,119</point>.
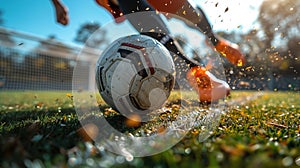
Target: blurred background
<point>36,53</point>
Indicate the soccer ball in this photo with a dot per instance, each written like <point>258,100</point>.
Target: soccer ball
<point>135,75</point>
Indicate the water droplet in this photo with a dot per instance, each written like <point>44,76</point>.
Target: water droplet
<point>120,159</point>
<point>129,158</point>
<point>90,162</point>
<point>188,150</point>
<point>287,161</point>
<point>100,148</point>
<point>297,161</point>
<point>220,156</point>
<point>73,161</point>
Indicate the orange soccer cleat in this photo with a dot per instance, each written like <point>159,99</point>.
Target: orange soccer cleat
<point>209,88</point>
<point>231,51</point>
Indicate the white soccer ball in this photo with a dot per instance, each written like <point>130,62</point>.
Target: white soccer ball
<point>135,75</point>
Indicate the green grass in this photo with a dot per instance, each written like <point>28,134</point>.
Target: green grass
<point>42,128</point>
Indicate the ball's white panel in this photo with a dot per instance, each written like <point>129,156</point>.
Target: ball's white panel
<point>137,74</point>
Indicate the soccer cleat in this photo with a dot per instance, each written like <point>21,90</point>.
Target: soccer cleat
<point>230,51</point>
<point>209,88</point>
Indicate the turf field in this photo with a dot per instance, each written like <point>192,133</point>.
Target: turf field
<point>42,129</point>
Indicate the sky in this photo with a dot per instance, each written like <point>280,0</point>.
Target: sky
<point>37,17</point>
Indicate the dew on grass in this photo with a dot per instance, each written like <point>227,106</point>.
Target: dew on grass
<point>220,156</point>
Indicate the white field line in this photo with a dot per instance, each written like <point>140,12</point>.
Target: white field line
<point>242,100</point>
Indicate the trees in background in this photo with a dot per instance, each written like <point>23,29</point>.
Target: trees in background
<point>91,35</point>
<point>279,21</point>
<point>273,49</point>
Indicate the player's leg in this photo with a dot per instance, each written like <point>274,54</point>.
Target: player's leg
<point>229,50</point>
<point>145,23</point>
<point>152,25</point>
<point>195,17</point>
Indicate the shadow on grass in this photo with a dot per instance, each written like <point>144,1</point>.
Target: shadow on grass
<point>37,134</point>
<point>44,134</point>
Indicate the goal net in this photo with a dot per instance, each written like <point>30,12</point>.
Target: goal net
<point>28,62</point>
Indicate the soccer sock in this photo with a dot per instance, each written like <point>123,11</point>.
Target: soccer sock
<point>146,22</point>
<point>173,47</point>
